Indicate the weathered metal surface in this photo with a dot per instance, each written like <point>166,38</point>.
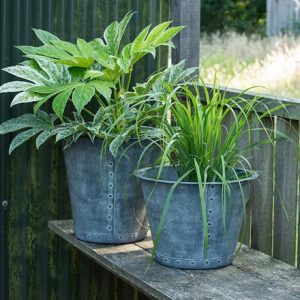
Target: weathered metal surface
<point>253,275</point>
<point>107,201</point>
<point>181,241</point>
<point>40,265</point>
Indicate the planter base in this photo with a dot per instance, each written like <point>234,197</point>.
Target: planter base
<point>193,264</point>
<point>111,238</point>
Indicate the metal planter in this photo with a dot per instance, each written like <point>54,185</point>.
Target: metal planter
<point>181,243</point>
<point>106,199</point>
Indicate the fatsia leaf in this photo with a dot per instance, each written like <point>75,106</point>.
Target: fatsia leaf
<point>43,137</point>
<point>103,89</point>
<point>85,48</point>
<point>49,68</point>
<point>21,122</point>
<point>82,62</point>
<point>15,86</point>
<point>157,30</point>
<point>27,73</point>
<point>123,25</point>
<point>44,36</point>
<point>116,144</point>
<point>82,95</point>
<point>91,74</point>
<point>138,43</point>
<point>102,54</point>
<point>43,101</point>
<point>22,138</point>
<point>64,133</point>
<point>111,37</point>
<point>60,101</point>
<point>28,50</point>
<point>66,46</point>
<point>167,35</point>
<point>25,97</point>
<point>52,51</point>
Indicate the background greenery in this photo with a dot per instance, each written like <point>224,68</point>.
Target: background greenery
<point>243,16</point>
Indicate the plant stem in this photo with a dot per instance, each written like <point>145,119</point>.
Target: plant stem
<point>88,112</point>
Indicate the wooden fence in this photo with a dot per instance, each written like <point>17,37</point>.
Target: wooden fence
<point>283,16</point>
<point>273,209</point>
<point>33,263</point>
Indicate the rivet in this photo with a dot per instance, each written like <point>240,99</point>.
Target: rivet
<point>212,186</point>
<point>110,174</point>
<point>192,262</point>
<point>88,236</point>
<point>110,217</point>
<point>109,227</point>
<point>120,237</point>
<point>177,262</point>
<point>111,164</point>
<point>208,235</point>
<point>210,211</point>
<point>110,195</point>
<point>219,261</point>
<point>4,203</point>
<point>209,223</point>
<point>165,259</point>
<point>109,237</point>
<point>211,198</point>
<point>109,206</point>
<point>110,185</point>
<point>206,262</point>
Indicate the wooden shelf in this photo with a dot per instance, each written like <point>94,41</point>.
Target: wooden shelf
<point>253,275</point>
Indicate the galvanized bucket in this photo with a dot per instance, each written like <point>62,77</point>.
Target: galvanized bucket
<point>106,199</point>
<point>181,243</point>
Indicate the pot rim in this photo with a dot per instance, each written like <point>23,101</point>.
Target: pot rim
<point>139,173</point>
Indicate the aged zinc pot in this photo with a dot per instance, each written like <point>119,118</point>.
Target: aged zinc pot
<point>181,243</point>
<point>106,199</point>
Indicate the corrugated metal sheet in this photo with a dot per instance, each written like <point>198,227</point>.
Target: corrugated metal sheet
<point>41,266</point>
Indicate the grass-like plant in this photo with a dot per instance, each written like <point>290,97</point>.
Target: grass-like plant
<point>203,146</point>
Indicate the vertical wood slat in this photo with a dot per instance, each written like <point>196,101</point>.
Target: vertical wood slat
<point>286,179</point>
<point>243,145</point>
<point>187,43</point>
<point>245,235</point>
<point>261,199</point>
<point>282,16</point>
<point>42,266</point>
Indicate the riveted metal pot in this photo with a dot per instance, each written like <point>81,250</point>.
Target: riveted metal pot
<point>106,199</point>
<point>181,243</point>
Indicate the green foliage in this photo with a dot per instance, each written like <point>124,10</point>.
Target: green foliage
<point>201,148</point>
<point>91,79</point>
<point>244,16</point>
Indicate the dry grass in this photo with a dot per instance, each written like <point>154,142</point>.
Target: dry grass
<point>240,62</point>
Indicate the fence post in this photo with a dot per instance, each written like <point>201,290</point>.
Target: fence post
<point>283,16</point>
<point>187,43</point>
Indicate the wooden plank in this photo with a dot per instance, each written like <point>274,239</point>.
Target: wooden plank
<point>187,43</point>
<point>286,180</point>
<point>269,269</point>
<point>261,198</point>
<point>129,262</point>
<point>262,266</point>
<point>291,107</point>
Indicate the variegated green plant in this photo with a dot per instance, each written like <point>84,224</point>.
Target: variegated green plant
<point>92,78</point>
